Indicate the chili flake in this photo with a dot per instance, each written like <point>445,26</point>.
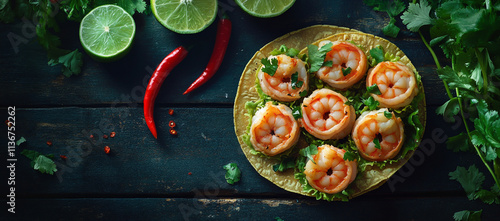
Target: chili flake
<point>112,134</point>
<point>63,157</point>
<point>190,173</point>
<point>171,112</point>
<point>105,136</point>
<point>171,123</point>
<point>91,136</point>
<point>49,143</point>
<point>8,123</point>
<point>173,131</point>
<point>107,149</point>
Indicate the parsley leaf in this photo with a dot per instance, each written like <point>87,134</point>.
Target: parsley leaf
<point>417,15</point>
<point>350,156</point>
<point>72,63</point>
<point>40,162</point>
<point>233,173</point>
<point>269,67</point>
<point>317,56</point>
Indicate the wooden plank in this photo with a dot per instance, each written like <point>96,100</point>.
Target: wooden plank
<point>28,80</point>
<point>425,208</point>
<point>139,164</point>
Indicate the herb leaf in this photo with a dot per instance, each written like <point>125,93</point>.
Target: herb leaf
<point>269,67</point>
<point>233,173</point>
<point>309,151</point>
<point>417,15</point>
<point>346,71</point>
<point>317,56</point>
<point>467,215</point>
<point>377,143</point>
<point>40,162</point>
<point>378,54</point>
<point>470,179</point>
<point>388,114</point>
<point>295,81</point>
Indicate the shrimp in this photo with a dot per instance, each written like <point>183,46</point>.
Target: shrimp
<point>373,126</point>
<point>329,172</point>
<point>395,81</point>
<point>344,56</point>
<point>274,129</point>
<point>326,116</point>
<point>280,86</point>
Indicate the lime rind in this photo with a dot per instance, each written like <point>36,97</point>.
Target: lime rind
<point>107,32</point>
<point>185,16</point>
<point>265,8</point>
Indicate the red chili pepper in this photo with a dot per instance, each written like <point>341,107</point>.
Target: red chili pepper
<point>171,123</point>
<point>113,134</point>
<point>161,72</point>
<point>171,112</point>
<point>221,42</point>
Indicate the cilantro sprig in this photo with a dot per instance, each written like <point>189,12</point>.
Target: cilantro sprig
<point>467,34</point>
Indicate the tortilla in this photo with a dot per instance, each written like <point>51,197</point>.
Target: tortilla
<point>372,177</point>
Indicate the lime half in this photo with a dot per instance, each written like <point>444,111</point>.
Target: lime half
<point>265,8</point>
<point>107,32</point>
<point>185,16</point>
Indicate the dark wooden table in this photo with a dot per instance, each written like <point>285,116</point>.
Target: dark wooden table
<point>181,177</point>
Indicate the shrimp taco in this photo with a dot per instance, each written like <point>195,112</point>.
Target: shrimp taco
<point>329,112</point>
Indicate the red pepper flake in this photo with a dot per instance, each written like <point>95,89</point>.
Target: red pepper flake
<point>107,149</point>
<point>105,136</point>
<point>7,122</point>
<point>173,131</point>
<point>112,134</point>
<point>171,124</point>
<point>171,112</point>
<point>190,173</point>
<point>49,143</point>
<point>91,136</point>
<point>63,157</point>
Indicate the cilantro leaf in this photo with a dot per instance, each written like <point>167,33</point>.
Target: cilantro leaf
<point>309,151</point>
<point>377,53</point>
<point>373,89</point>
<point>297,112</point>
<point>393,8</point>
<point>269,67</point>
<point>44,165</point>
<point>449,109</point>
<point>350,156</point>
<point>40,162</point>
<point>130,6</point>
<point>470,179</point>
<point>295,81</point>
<point>346,71</point>
<point>72,63</point>
<point>285,164</point>
<point>317,56</point>
<point>20,141</point>
<point>417,15</point>
<point>376,141</point>
<point>371,103</point>
<point>391,29</point>
<point>388,114</point>
<point>467,215</point>
<point>458,143</point>
<point>233,173</point>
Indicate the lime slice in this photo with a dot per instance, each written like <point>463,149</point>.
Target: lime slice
<point>185,16</point>
<point>265,8</point>
<point>107,32</point>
